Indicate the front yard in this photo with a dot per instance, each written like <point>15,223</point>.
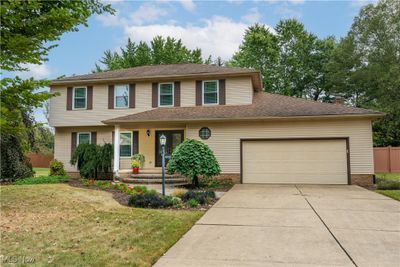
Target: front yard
<point>60,225</point>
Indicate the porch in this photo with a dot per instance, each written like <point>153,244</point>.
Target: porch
<point>143,139</point>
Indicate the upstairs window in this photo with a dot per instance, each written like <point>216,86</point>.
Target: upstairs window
<point>121,96</point>
<point>166,95</point>
<point>80,95</point>
<point>210,92</point>
<point>125,147</point>
<point>83,138</point>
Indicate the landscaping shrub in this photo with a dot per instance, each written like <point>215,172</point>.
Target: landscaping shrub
<point>193,203</point>
<point>103,184</point>
<point>193,158</point>
<point>388,184</point>
<point>56,168</point>
<point>208,182</point>
<point>201,197</point>
<point>43,180</point>
<point>150,200</point>
<point>93,161</point>
<point>178,192</point>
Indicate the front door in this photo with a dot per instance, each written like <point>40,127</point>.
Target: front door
<point>174,138</point>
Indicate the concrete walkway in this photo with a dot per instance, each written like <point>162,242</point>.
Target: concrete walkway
<point>289,225</point>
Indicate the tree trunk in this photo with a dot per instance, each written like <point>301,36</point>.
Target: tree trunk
<point>196,181</point>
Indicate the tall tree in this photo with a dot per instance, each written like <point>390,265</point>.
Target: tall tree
<point>291,60</point>
<point>159,51</point>
<point>29,30</point>
<point>365,67</point>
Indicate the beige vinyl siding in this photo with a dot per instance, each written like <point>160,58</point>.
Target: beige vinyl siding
<point>59,116</point>
<point>239,91</point>
<point>188,93</point>
<point>225,138</point>
<point>62,142</point>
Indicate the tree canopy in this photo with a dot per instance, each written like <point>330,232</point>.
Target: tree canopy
<point>160,51</point>
<point>291,60</point>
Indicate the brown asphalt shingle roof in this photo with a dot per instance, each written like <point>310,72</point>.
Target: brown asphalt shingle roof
<point>264,105</point>
<point>166,71</point>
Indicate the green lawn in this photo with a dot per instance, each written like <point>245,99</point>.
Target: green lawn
<point>395,194</point>
<point>60,225</point>
<point>41,171</point>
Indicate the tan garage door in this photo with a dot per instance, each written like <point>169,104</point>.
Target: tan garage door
<point>295,161</point>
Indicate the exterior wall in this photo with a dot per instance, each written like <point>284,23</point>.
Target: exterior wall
<point>225,138</point>
<point>62,142</point>
<point>238,91</point>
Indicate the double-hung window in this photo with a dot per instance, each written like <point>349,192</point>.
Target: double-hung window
<point>210,92</point>
<point>80,97</point>
<point>121,96</point>
<point>125,147</point>
<point>83,138</point>
<point>166,95</point>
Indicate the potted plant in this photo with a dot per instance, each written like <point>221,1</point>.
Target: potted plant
<point>139,158</point>
<point>135,166</point>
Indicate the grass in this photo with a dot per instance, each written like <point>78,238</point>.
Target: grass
<point>60,225</point>
<point>395,194</point>
<point>42,180</point>
<point>41,171</point>
<point>392,179</point>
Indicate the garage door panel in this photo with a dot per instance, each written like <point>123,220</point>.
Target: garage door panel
<point>295,161</point>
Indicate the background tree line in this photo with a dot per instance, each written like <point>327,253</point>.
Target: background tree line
<point>363,66</point>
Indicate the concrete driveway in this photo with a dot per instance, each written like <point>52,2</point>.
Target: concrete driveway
<point>289,225</point>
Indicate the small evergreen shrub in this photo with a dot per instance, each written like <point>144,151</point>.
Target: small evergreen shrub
<point>150,200</point>
<point>43,180</point>
<point>178,192</point>
<point>193,203</point>
<point>56,168</point>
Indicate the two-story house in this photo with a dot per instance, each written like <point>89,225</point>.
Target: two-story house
<point>257,137</point>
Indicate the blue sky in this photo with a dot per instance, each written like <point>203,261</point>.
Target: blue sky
<point>217,27</point>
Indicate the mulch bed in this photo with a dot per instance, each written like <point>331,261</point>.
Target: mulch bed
<point>118,195</point>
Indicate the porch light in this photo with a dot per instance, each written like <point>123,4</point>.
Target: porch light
<point>148,132</point>
<point>163,140</point>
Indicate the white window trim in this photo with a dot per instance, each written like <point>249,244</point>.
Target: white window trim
<point>115,95</point>
<point>173,95</point>
<point>73,98</point>
<point>202,93</point>
<point>122,132</point>
<point>78,134</point>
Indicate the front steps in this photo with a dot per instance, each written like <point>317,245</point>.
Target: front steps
<point>153,178</point>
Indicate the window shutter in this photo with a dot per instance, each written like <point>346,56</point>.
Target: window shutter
<point>132,96</point>
<point>110,96</point>
<point>222,92</point>
<point>135,141</point>
<point>199,93</point>
<point>154,94</point>
<point>90,97</point>
<point>73,143</point>
<point>93,138</point>
<point>177,94</point>
<point>112,137</point>
<point>69,98</point>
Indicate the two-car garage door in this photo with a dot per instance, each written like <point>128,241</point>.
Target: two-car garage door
<point>316,161</point>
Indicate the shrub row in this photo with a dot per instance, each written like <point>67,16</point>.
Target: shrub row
<point>387,184</point>
<point>43,180</point>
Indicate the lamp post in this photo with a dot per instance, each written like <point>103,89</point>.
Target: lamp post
<point>163,141</point>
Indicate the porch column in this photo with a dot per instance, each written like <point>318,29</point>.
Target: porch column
<point>116,150</point>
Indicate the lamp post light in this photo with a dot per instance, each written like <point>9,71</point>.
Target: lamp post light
<point>163,141</point>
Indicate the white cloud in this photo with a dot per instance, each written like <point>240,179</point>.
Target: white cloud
<point>110,20</point>
<point>287,12</point>
<point>36,71</point>
<point>218,36</point>
<point>361,3</point>
<point>296,2</point>
<point>147,12</point>
<point>189,5</point>
<point>253,16</point>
